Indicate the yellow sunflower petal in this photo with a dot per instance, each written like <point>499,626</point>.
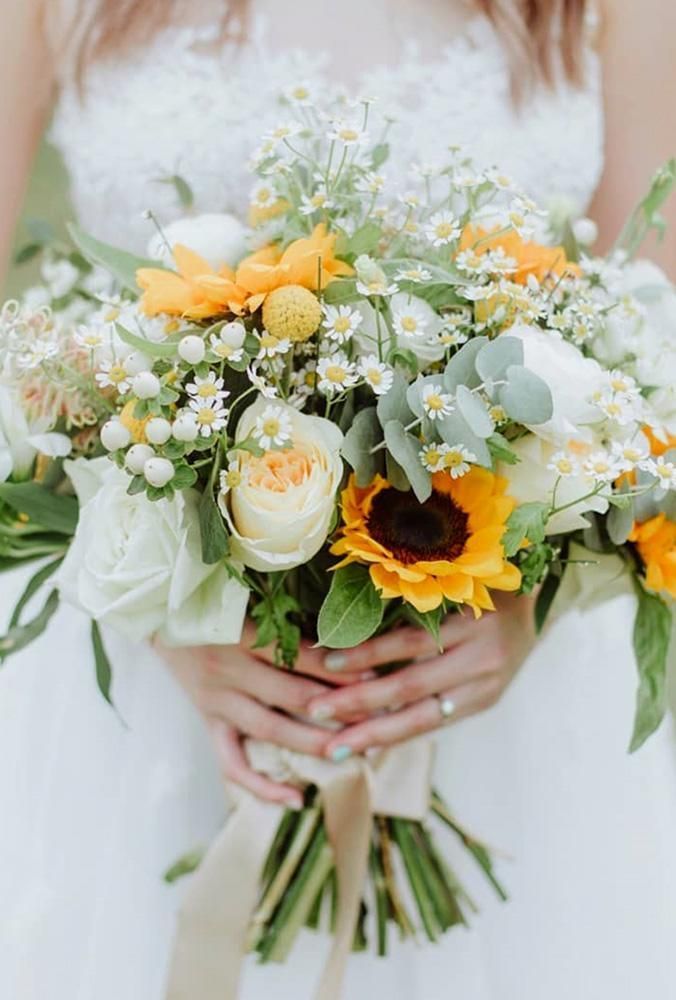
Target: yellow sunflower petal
<point>508,579</point>
<point>424,596</point>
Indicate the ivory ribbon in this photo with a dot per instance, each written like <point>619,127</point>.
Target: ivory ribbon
<point>214,920</point>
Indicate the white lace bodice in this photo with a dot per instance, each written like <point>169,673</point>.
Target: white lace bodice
<point>177,106</point>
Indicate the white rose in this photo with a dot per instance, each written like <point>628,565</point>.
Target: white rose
<point>663,405</point>
<point>21,442</point>
<point>426,346</point>
<point>531,481</point>
<point>137,565</point>
<point>572,379</point>
<point>219,238</point>
<point>280,513</point>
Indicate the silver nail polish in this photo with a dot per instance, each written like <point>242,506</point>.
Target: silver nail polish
<point>335,662</point>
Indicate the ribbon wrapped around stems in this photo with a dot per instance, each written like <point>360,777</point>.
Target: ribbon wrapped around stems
<point>214,920</point>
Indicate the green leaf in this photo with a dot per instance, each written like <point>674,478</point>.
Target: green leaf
<point>429,620</point>
<point>379,154</point>
<point>405,449</point>
<point>646,215</point>
<point>49,510</point>
<point>363,435</point>
<point>22,635</point>
<point>545,599</point>
<point>395,475</point>
<point>393,405</point>
<point>526,398</point>
<point>182,188</point>
<point>147,347</point>
<point>27,253</point>
<point>104,671</point>
<point>215,540</point>
<point>455,430</point>
<point>527,521</point>
<point>185,865</point>
<point>119,263</point>
<point>365,239</point>
<point>500,449</point>
<point>341,291</point>
<point>461,369</point>
<point>620,521</point>
<point>352,609</point>
<point>34,585</point>
<point>184,477</point>
<point>652,635</point>
<point>137,484</point>
<point>496,356</point>
<point>474,411</point>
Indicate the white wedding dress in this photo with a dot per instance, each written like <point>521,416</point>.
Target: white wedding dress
<point>93,812</point>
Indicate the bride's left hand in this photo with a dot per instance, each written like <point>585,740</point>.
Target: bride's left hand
<point>480,659</point>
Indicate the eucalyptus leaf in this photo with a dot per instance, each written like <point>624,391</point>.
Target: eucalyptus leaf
<point>526,398</point>
<point>461,369</point>
<point>394,405</point>
<point>652,635</point>
<point>405,449</point>
<point>352,609</point>
<point>395,475</point>
<point>496,356</point>
<point>122,265</point>
<point>50,510</point>
<point>620,521</point>
<point>364,434</point>
<point>474,411</point>
<point>455,430</point>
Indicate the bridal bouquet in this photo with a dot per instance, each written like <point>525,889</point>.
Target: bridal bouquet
<point>360,411</point>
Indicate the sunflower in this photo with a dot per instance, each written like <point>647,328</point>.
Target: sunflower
<point>449,547</point>
<point>196,291</point>
<point>655,541</point>
<point>306,262</point>
<point>531,258</point>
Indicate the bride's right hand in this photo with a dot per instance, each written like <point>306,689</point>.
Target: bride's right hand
<point>239,693</point>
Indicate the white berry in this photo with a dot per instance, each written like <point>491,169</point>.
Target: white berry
<point>159,471</point>
<point>158,430</point>
<point>233,334</point>
<point>137,456</point>
<point>136,362</point>
<point>185,428</point>
<point>192,349</point>
<point>146,385</point>
<point>585,231</point>
<point>114,435</point>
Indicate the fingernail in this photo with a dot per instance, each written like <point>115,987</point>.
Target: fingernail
<point>322,713</point>
<point>341,753</point>
<point>334,662</point>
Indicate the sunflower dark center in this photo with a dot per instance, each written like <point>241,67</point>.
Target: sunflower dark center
<point>413,531</point>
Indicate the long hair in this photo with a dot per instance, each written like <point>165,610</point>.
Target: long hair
<point>537,35</point>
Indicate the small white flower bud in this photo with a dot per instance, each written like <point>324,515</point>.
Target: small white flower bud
<point>585,231</point>
<point>146,385</point>
<point>114,435</point>
<point>136,362</point>
<point>137,456</point>
<point>159,471</point>
<point>192,349</point>
<point>158,430</point>
<point>185,428</point>
<point>233,334</point>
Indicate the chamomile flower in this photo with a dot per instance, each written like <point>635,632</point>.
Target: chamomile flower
<point>411,320</point>
<point>318,202</point>
<point>376,374</point>
<point>210,414</point>
<point>601,466</point>
<point>442,229</point>
<point>630,454</point>
<point>38,352</point>
<point>499,180</point>
<point>90,338</point>
<point>302,94</point>
<point>228,343</point>
<point>341,322</point>
<point>465,179</point>
<point>410,199</point>
<point>663,471</point>
<point>370,183</point>
<point>230,478</point>
<point>273,428</point>
<point>209,388</point>
<point>271,347</point>
<point>498,414</point>
<point>457,461</point>
<point>263,196</point>
<point>414,274</point>
<point>304,380</point>
<point>347,133</point>
<point>113,375</point>
<point>335,373</point>
<point>564,464</point>
<point>285,130</point>
<point>432,456</point>
<point>436,403</point>
<point>258,382</point>
<point>451,337</point>
<point>377,285</point>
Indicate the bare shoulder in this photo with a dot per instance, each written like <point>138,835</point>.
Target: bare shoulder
<point>644,27</point>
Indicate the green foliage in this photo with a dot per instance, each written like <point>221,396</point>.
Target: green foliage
<point>495,357</point>
<point>526,398</point>
<point>164,349</point>
<point>363,435</point>
<point>429,620</point>
<point>184,192</point>
<point>352,609</point>
<point>529,521</point>
<point>405,449</point>
<point>652,636</point>
<point>20,635</point>
<point>647,214</point>
<point>49,510</point>
<point>545,599</point>
<point>455,430</point>
<point>364,240</point>
<point>185,865</point>
<point>461,369</point>
<point>474,411</point>
<point>273,616</point>
<point>620,520</point>
<point>393,405</point>
<point>122,265</point>
<point>500,449</point>
<point>213,533</point>
<point>341,292</point>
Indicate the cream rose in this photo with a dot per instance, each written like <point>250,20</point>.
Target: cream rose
<point>530,480</point>
<point>279,514</point>
<point>219,238</point>
<point>137,565</point>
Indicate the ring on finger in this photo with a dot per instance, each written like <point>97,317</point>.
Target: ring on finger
<point>446,706</point>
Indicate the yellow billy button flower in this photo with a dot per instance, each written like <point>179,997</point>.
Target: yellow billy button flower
<point>449,547</point>
<point>292,312</point>
<point>135,427</point>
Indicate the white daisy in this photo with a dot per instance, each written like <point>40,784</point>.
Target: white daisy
<point>270,347</point>
<point>230,478</point>
<point>370,183</point>
<point>629,454</point>
<point>210,414</point>
<point>347,133</point>
<point>341,322</point>
<point>36,355</point>
<point>258,382</point>
<point>411,320</point>
<point>452,338</point>
<point>89,337</point>
<point>335,373</point>
<point>457,461</point>
<point>113,375</point>
<point>663,471</point>
<point>436,402</point>
<point>263,196</point>
<point>300,94</point>
<point>377,285</point>
<point>222,345</point>
<point>318,202</point>
<point>273,428</point>
<point>376,374</point>
<point>432,456</point>
<point>563,464</point>
<point>617,407</point>
<point>304,380</point>
<point>209,388</point>
<point>442,229</point>
<point>415,274</point>
<point>601,466</point>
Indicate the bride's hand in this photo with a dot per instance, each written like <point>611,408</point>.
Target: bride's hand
<point>480,659</point>
<point>240,693</point>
